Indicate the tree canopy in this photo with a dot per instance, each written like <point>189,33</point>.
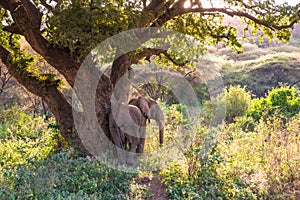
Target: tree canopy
<point>63,32</point>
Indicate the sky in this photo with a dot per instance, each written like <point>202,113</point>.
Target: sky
<point>291,2</point>
<point>216,4</point>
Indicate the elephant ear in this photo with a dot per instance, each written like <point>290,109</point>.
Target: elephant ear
<point>155,110</point>
<point>152,102</point>
<point>143,104</point>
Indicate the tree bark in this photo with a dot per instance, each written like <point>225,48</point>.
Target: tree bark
<point>107,86</point>
<point>121,78</point>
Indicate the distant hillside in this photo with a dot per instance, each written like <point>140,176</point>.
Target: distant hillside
<point>260,69</point>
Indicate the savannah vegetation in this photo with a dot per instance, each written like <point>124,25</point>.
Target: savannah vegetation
<point>253,154</point>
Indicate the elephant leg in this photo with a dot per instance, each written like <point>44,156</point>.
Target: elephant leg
<point>115,132</point>
<point>140,147</point>
<point>133,146</point>
<point>130,159</point>
<point>120,151</point>
<point>117,138</point>
<point>141,144</point>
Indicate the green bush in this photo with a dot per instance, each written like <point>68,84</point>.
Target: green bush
<point>63,177</point>
<point>283,101</point>
<point>235,101</point>
<point>266,159</point>
<point>238,101</point>
<point>204,176</point>
<point>31,168</point>
<point>178,184</point>
<point>24,137</point>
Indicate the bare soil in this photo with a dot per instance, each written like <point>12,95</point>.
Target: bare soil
<point>155,186</point>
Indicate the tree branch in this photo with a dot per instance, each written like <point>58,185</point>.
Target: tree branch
<point>32,83</point>
<point>56,101</point>
<point>171,13</point>
<point>154,6</point>
<point>47,6</point>
<point>27,18</point>
<point>231,13</point>
<point>148,52</point>
<point>4,4</point>
<point>13,29</point>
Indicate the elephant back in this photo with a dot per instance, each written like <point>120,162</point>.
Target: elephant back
<point>142,104</point>
<point>137,115</point>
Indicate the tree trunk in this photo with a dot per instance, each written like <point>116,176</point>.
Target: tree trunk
<point>61,108</point>
<point>121,78</point>
<point>107,86</point>
<point>62,112</point>
<point>94,93</point>
<point>48,91</point>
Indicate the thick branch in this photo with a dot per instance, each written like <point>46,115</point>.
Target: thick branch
<point>170,13</point>
<point>148,52</point>
<point>5,78</point>
<point>32,83</point>
<point>27,18</point>
<point>4,4</point>
<point>13,29</point>
<point>154,6</point>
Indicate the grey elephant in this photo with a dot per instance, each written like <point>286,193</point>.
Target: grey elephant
<point>127,127</point>
<point>151,110</point>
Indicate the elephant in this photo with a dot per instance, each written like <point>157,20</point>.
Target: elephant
<point>151,110</point>
<point>127,126</point>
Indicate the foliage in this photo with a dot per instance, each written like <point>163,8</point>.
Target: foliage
<point>24,138</point>
<point>63,32</point>
<point>66,32</point>
<point>178,184</point>
<point>259,164</point>
<point>246,159</point>
<point>232,103</point>
<point>238,101</point>
<point>228,163</point>
<point>283,101</point>
<point>63,177</point>
<point>203,176</point>
<point>266,159</point>
<point>201,92</point>
<point>32,168</point>
<point>80,25</point>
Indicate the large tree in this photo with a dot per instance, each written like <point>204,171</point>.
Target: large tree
<point>63,32</point>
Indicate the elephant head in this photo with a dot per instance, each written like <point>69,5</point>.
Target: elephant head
<point>151,110</point>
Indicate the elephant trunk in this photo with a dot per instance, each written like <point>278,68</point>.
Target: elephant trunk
<point>161,131</point>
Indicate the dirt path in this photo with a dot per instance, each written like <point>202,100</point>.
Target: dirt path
<point>155,186</point>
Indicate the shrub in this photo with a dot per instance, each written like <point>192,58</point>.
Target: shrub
<point>235,101</point>
<point>267,159</point>
<point>282,101</point>
<point>24,137</point>
<point>204,176</point>
<point>31,167</point>
<point>63,177</point>
<point>178,184</point>
<point>238,101</point>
